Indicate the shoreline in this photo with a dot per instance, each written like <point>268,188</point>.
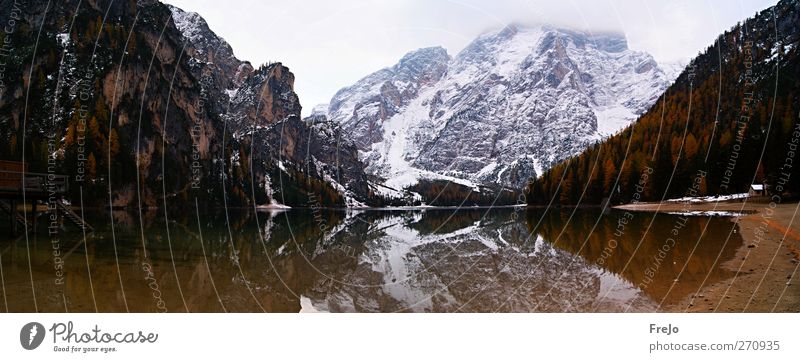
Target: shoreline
<point>676,206</point>
<point>765,266</point>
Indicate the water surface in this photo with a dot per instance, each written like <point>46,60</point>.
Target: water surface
<point>474,260</point>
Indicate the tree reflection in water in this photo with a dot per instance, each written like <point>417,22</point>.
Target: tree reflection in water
<point>434,260</point>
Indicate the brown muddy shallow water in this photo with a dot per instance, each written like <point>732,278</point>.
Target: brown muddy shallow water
<point>475,260</point>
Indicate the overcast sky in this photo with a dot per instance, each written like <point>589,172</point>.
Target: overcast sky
<point>329,44</point>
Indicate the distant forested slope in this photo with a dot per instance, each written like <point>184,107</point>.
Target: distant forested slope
<point>729,120</point>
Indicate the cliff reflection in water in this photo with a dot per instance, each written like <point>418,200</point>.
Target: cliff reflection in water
<point>373,261</point>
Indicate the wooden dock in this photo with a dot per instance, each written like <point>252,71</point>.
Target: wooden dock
<point>20,188</point>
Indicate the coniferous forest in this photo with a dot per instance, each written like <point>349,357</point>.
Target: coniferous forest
<point>730,120</point>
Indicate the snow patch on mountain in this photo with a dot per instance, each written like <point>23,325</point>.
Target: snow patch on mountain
<point>672,69</point>
<point>190,24</point>
<point>320,110</point>
<point>509,106</point>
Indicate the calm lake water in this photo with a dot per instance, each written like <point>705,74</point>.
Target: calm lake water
<point>476,260</point>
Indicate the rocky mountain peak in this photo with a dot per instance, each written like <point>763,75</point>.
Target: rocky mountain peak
<point>508,106</point>
<point>208,52</point>
<point>420,67</point>
<point>197,33</point>
<point>611,42</point>
<point>380,95</point>
<point>425,57</point>
<point>320,110</point>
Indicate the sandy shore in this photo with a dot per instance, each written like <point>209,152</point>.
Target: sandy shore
<point>766,266</point>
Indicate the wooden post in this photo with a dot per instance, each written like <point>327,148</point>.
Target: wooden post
<point>35,203</point>
<point>14,218</point>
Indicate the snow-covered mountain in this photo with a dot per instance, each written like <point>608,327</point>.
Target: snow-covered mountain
<point>364,106</point>
<point>320,110</point>
<point>673,68</point>
<point>511,104</point>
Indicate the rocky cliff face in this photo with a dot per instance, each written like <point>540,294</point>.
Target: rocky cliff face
<point>363,107</point>
<point>510,105</point>
<point>151,102</point>
<point>317,149</point>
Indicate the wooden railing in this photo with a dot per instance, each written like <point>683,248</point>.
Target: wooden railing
<point>17,184</point>
<point>15,181</point>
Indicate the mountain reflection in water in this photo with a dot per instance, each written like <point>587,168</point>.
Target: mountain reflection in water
<point>435,260</point>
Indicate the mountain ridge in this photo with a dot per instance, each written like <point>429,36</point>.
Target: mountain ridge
<point>507,89</point>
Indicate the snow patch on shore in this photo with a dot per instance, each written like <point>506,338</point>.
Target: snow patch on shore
<point>703,199</point>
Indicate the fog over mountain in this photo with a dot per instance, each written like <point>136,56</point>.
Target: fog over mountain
<point>334,44</point>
